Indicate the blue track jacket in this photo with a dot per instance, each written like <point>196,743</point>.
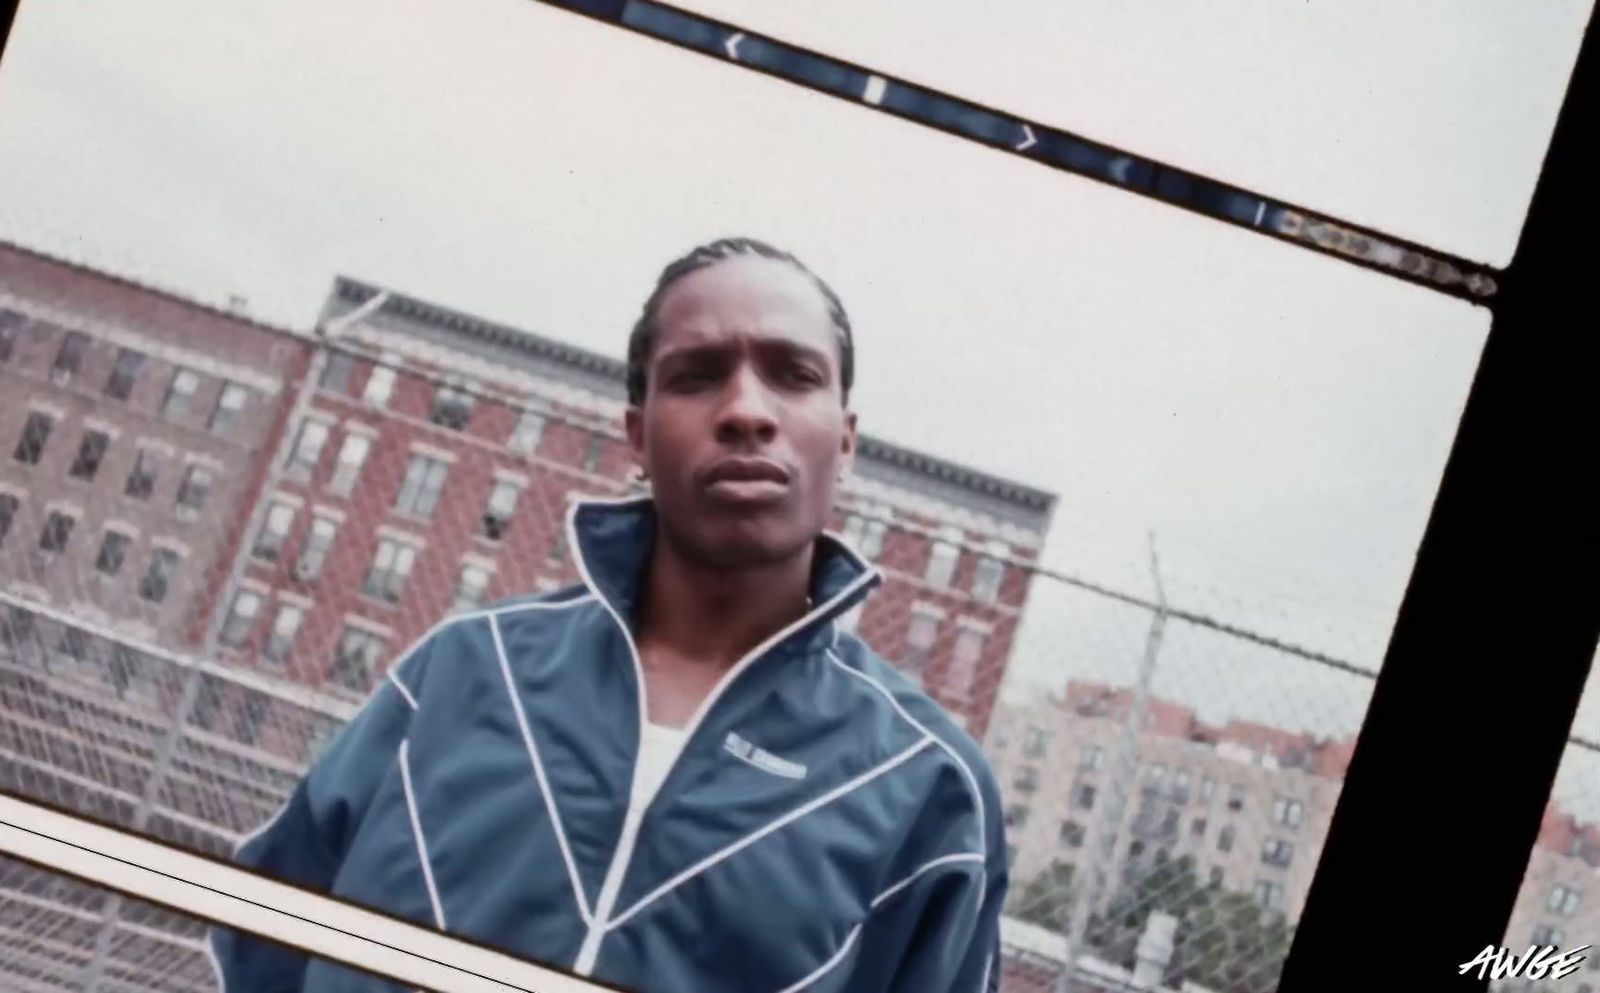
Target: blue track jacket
<point>826,828</point>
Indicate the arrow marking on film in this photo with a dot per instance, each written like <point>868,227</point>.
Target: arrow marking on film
<point>732,45</point>
<point>1029,141</point>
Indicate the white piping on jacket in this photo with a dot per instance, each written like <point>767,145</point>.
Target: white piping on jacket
<point>977,857</point>
<point>411,700</point>
<point>600,924</point>
<point>855,932</point>
<point>790,817</point>
<point>416,832</point>
<point>538,768</point>
<point>988,968</point>
<point>972,781</point>
<point>828,966</point>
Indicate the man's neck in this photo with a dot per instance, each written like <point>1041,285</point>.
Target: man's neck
<point>714,616</point>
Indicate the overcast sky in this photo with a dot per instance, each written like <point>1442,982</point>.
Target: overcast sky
<point>1279,419</point>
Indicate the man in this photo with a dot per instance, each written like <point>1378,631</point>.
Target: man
<point>682,775</point>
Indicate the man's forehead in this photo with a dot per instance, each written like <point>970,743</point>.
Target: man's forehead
<point>761,299</point>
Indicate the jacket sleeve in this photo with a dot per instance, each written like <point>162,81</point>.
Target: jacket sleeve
<point>940,932</point>
<point>304,843</point>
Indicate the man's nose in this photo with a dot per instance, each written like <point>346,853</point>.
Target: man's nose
<point>747,412</point>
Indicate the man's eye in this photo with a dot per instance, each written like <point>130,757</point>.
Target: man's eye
<point>803,375</point>
<point>689,379</point>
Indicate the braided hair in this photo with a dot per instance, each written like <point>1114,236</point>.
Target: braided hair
<point>641,343</point>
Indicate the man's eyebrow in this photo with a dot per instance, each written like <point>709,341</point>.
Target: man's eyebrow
<point>715,349</point>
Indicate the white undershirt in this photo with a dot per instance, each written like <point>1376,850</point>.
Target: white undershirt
<point>657,749</point>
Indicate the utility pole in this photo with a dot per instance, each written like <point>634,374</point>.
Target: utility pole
<point>1125,770</point>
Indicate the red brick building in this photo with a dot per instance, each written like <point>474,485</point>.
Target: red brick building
<point>133,427</point>
<point>432,464</point>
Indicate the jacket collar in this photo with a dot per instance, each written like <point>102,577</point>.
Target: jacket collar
<point>611,542</point>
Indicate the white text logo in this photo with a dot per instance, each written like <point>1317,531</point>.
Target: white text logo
<point>1535,963</point>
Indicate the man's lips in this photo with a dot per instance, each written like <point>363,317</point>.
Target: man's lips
<point>745,480</point>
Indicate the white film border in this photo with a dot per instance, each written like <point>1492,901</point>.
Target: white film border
<point>227,895</point>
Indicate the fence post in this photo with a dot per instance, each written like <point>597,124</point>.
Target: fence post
<point>1125,770</point>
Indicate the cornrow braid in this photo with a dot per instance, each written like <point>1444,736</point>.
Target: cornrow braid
<point>641,343</point>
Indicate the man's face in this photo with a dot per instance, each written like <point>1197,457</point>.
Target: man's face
<point>743,429</point>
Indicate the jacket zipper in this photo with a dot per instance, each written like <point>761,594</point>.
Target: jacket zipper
<point>589,952</point>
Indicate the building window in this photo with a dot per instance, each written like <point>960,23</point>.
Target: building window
<point>1154,776</point>
<point>999,736</point>
<point>1198,828</point>
<point>142,477</point>
<point>280,641</point>
<point>1092,759</point>
<point>1027,779</point>
<point>193,491</point>
<point>307,450</point>
<point>124,374</point>
<point>10,331</point>
<point>1545,934</point>
<point>336,372</point>
<point>942,558</point>
<point>991,572</point>
<point>920,637</point>
<point>1136,849</point>
<point>1208,787</point>
<point>57,532</point>
<point>1236,797</point>
<point>1563,900</point>
<point>866,533</point>
<point>501,508</point>
<point>1287,812</point>
<point>91,452</point>
<point>69,360</point>
<point>315,552</point>
<point>35,435</point>
<point>113,552</point>
<point>1216,875</point>
<point>1169,822</point>
<point>9,505</point>
<point>1180,785</point>
<point>1016,816</point>
<point>1225,839</point>
<point>1269,894</point>
<point>180,393</point>
<point>274,532</point>
<point>241,620</point>
<point>525,436</point>
<point>592,455</point>
<point>1277,852</point>
<point>1072,834</point>
<point>471,587</point>
<point>964,661</point>
<point>1083,797</point>
<point>347,469</point>
<point>1034,741</point>
<point>452,407</point>
<point>356,659</point>
<point>391,567</point>
<point>157,580</point>
<point>230,408</point>
<point>380,385</point>
<point>419,492</point>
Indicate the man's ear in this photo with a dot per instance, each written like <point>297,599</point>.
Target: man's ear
<point>847,443</point>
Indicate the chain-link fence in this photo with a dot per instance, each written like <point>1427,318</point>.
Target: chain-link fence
<point>1558,907</point>
<point>209,558</point>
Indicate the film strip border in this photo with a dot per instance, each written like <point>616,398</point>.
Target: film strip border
<point>1053,147</point>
